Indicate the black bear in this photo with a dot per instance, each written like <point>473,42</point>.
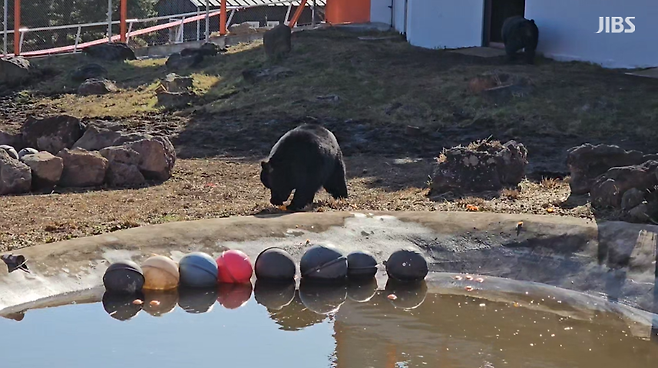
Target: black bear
<point>305,159</point>
<point>520,33</point>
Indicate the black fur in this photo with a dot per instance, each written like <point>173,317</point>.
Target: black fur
<point>520,33</point>
<point>304,159</point>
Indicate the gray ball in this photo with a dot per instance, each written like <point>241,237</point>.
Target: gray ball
<point>26,151</point>
<point>323,262</point>
<point>10,150</point>
<point>361,265</point>
<point>407,265</point>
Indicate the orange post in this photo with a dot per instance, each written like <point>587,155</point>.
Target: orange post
<point>124,18</point>
<point>17,27</point>
<point>222,18</point>
<point>298,14</point>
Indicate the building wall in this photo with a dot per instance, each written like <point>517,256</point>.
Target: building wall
<point>399,15</point>
<point>380,11</point>
<point>445,23</point>
<point>567,31</point>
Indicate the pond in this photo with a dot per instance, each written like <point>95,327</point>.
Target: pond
<point>356,326</point>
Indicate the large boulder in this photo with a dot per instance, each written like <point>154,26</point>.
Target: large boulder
<point>175,83</point>
<point>157,157</point>
<point>277,42</point>
<point>52,134</point>
<point>15,176</point>
<point>115,51</point>
<point>241,29</point>
<point>96,138</point>
<point>46,169</point>
<point>89,71</point>
<point>10,150</point>
<point>177,62</point>
<point>82,168</point>
<point>609,188</point>
<point>207,49</point>
<point>14,70</point>
<point>11,139</point>
<point>123,167</point>
<point>482,166</point>
<point>97,87</point>
<point>587,162</point>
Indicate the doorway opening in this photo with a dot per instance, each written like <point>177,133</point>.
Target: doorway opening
<point>496,11</point>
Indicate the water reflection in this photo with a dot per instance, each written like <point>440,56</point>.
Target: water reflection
<point>406,295</point>
<point>197,300</point>
<point>158,303</point>
<point>234,296</point>
<point>274,296</point>
<point>322,298</point>
<point>121,306</point>
<point>362,291</point>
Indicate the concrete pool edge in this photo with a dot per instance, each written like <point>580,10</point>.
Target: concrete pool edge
<point>603,252</point>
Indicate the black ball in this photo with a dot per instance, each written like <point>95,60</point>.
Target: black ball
<point>120,306</point>
<point>361,265</point>
<point>197,300</point>
<point>274,295</point>
<point>275,264</point>
<point>124,277</point>
<point>407,265</point>
<point>323,263</point>
<point>322,298</point>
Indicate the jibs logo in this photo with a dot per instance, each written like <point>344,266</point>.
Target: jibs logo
<point>616,25</point>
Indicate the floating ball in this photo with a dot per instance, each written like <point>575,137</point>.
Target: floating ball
<point>275,264</point>
<point>234,296</point>
<point>160,273</point>
<point>362,292</point>
<point>234,267</point>
<point>407,265</point>
<point>198,270</point>
<point>120,306</point>
<point>323,262</point>
<point>407,295</point>
<point>160,302</point>
<point>197,300</point>
<point>123,277</point>
<point>274,295</point>
<point>322,298</point>
<point>361,265</point>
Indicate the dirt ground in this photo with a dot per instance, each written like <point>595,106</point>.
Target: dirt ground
<point>393,108</point>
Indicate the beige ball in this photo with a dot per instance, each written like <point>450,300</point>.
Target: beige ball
<point>160,273</point>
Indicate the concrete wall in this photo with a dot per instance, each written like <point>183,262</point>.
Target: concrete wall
<point>380,11</point>
<point>568,29</point>
<point>445,23</point>
<point>399,15</point>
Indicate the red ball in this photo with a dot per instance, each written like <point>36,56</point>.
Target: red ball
<point>234,267</point>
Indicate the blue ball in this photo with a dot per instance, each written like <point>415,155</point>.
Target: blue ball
<point>198,270</point>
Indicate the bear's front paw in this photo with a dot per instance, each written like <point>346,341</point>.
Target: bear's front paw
<point>283,207</point>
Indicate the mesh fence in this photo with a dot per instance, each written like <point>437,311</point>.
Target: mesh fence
<point>68,25</point>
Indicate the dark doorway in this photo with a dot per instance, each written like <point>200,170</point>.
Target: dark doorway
<point>496,13</point>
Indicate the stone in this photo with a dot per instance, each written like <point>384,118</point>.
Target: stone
<point>9,139</point>
<point>609,188</point>
<point>26,151</point>
<point>88,71</point>
<point>52,134</point>
<point>46,169</point>
<point>207,49</point>
<point>115,51</point>
<point>277,41</point>
<point>157,157</point>
<point>121,154</point>
<point>178,62</point>
<point>96,138</point>
<point>174,100</point>
<point>175,83</point>
<point>14,71</point>
<point>15,176</point>
<point>644,212</point>
<point>82,168</point>
<point>123,167</point>
<point>10,150</point>
<point>97,87</point>
<point>482,166</point>
<point>632,198</point>
<point>587,162</point>
<point>241,29</point>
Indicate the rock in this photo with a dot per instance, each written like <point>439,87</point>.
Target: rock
<point>82,168</point>
<point>52,134</point>
<point>174,100</point>
<point>14,140</point>
<point>644,212</point>
<point>115,51</point>
<point>97,138</point>
<point>175,83</point>
<point>14,70</point>
<point>15,176</point>
<point>123,166</point>
<point>10,150</point>
<point>609,188</point>
<point>483,166</point>
<point>97,87</point>
<point>587,162</point>
<point>26,151</point>
<point>207,49</point>
<point>269,74</point>
<point>632,198</point>
<point>89,71</point>
<point>277,41</point>
<point>157,157</point>
<point>241,29</point>
<point>46,169</point>
<point>177,62</point>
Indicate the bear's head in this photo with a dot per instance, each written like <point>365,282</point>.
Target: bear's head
<point>276,182</point>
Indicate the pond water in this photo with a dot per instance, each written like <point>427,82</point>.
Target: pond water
<point>355,326</point>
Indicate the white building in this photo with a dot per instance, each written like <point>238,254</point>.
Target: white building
<point>567,28</point>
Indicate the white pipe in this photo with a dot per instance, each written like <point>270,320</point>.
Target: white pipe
<point>5,30</point>
<point>109,20</point>
<point>198,24</point>
<point>207,20</point>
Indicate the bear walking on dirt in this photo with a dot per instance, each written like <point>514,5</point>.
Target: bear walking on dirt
<point>304,159</point>
<point>520,33</point>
